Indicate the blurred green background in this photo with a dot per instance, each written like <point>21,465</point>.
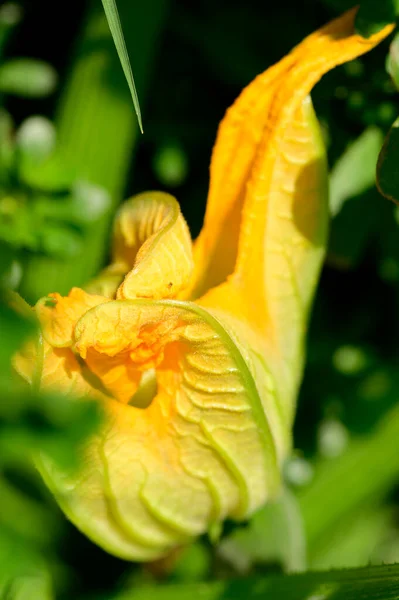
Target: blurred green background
<point>70,151</point>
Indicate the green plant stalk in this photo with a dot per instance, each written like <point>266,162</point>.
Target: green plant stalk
<point>358,479</point>
<point>350,584</point>
<point>98,130</point>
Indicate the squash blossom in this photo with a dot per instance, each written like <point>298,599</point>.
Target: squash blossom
<point>196,350</point>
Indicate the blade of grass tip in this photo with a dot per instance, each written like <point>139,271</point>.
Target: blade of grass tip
<point>95,119</point>
<point>97,133</point>
<point>111,12</point>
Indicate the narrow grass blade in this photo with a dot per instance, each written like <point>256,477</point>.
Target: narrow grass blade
<point>111,12</point>
<point>97,134</point>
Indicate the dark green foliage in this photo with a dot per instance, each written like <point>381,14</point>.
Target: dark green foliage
<point>387,170</point>
<point>373,16</point>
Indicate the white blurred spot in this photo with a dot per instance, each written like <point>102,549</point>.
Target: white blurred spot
<point>298,471</point>
<point>332,438</point>
<point>36,137</point>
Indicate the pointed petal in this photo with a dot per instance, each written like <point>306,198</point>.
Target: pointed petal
<point>239,134</point>
<point>284,214</point>
<point>249,139</point>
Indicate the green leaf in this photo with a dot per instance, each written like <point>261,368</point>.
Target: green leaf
<point>373,15</point>
<point>115,26</point>
<point>54,424</point>
<point>25,518</point>
<point>347,244</point>
<point>35,586</point>
<point>52,175</point>
<point>352,584</point>
<point>17,223</point>
<point>6,145</point>
<point>59,240</point>
<point>387,167</point>
<point>353,198</point>
<point>27,77</point>
<point>17,558</point>
<point>6,257</point>
<point>392,63</point>
<point>14,328</point>
<point>354,172</point>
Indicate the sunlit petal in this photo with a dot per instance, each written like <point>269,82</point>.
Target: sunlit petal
<point>152,253</point>
<point>201,451</point>
<point>248,149</point>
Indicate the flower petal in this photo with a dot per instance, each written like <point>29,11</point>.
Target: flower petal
<point>60,371</point>
<point>152,253</point>
<point>284,206</point>
<point>201,451</point>
<point>82,496</point>
<point>58,314</point>
<point>249,144</point>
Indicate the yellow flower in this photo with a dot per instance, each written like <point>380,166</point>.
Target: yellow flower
<point>196,353</point>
